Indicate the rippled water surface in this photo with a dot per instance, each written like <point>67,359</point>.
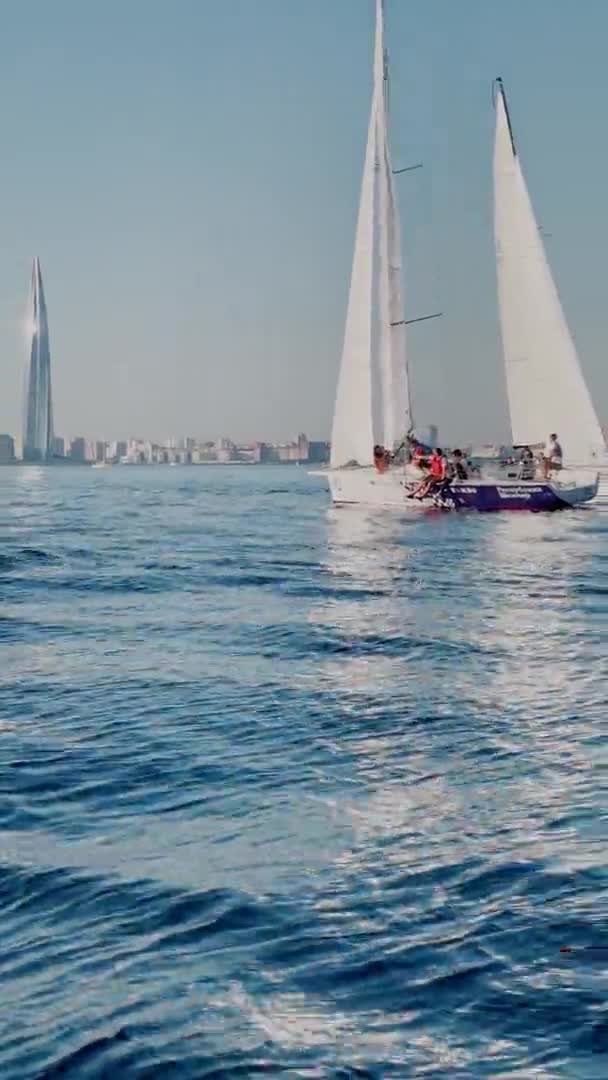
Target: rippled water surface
<point>293,791</point>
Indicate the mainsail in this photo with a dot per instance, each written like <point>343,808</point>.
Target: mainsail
<point>372,401</point>
<point>546,388</point>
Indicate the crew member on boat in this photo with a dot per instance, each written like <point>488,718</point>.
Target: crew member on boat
<point>526,464</point>
<point>382,458</point>
<point>417,453</point>
<point>552,455</point>
<point>459,466</point>
<point>420,456</point>
<point>436,478</point>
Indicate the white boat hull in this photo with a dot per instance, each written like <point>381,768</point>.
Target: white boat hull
<point>367,487</point>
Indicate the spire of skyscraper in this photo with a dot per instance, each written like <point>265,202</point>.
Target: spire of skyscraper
<point>38,420</point>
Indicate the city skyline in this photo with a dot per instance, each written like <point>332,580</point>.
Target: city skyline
<point>197,262</point>
<point>186,450</point>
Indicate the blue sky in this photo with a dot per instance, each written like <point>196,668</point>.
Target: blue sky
<point>189,173</point>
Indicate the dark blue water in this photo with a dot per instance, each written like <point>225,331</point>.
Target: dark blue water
<point>294,792</point>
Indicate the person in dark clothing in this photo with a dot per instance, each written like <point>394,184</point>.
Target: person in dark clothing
<point>459,466</point>
<point>526,464</point>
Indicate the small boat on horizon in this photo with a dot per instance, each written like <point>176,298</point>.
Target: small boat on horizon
<point>373,401</point>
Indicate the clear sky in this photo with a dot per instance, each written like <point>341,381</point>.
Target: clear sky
<point>188,172</point>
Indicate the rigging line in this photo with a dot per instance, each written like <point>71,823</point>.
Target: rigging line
<point>421,318</point>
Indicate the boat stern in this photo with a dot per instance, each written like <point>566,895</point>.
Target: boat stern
<point>536,496</point>
<point>575,488</point>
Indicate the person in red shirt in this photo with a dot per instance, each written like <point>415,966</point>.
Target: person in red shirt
<point>437,475</point>
<point>381,459</point>
<point>419,457</point>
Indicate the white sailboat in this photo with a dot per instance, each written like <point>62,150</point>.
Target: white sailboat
<point>373,401</point>
<point>373,395</point>
<point>546,387</point>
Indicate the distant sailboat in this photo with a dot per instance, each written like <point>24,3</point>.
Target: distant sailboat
<point>546,387</point>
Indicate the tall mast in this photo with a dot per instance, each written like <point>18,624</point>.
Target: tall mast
<point>500,91</point>
<point>380,70</point>
<point>394,376</point>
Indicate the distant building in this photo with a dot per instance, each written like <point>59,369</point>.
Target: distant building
<point>224,450</point>
<point>77,449</point>
<point>267,453</point>
<point>249,453</point>
<point>58,446</point>
<point>7,450</point>
<point>116,450</point>
<point>132,455</point>
<point>38,426</point>
<point>100,451</point>
<point>318,452</point>
<point>287,452</point>
<point>81,450</point>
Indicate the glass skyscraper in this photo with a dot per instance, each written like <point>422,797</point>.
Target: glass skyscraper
<point>38,413</point>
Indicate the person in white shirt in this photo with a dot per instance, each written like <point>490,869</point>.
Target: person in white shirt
<point>552,454</point>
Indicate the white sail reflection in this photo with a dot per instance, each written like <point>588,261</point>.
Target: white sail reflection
<point>462,758</point>
<point>32,479</point>
<point>361,545</point>
<point>365,560</point>
<point>394,604</point>
<point>24,503</point>
<point>534,619</point>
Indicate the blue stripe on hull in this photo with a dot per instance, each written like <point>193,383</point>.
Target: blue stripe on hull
<point>494,497</point>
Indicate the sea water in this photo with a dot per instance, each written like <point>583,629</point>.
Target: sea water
<point>294,791</point>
